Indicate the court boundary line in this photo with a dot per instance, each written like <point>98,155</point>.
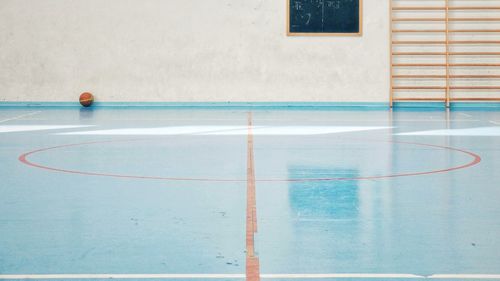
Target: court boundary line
<point>243,276</point>
<point>465,114</point>
<point>20,116</point>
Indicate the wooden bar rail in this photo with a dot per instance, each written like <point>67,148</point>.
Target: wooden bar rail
<point>419,76</point>
<point>465,42</point>
<point>419,99</point>
<point>418,88</point>
<point>443,64</point>
<point>443,99</point>
<point>447,15</point>
<point>475,99</point>
<point>444,87</point>
<point>443,8</point>
<point>444,53</point>
<point>444,31</point>
<point>430,76</point>
<point>475,87</point>
<point>435,27</point>
<point>442,19</point>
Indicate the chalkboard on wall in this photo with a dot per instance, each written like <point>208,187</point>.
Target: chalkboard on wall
<point>324,17</point>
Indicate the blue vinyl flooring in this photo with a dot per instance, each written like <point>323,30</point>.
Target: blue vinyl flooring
<point>163,191</point>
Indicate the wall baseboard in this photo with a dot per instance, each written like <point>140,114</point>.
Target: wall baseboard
<point>257,105</point>
<point>202,104</point>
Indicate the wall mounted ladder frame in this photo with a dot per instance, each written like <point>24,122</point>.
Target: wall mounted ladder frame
<point>447,55</point>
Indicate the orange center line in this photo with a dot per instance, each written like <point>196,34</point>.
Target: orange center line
<point>252,261</point>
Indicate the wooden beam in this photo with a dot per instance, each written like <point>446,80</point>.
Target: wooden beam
<point>465,8</point>
<point>391,91</point>
<point>462,42</point>
<point>474,30</point>
<point>443,19</point>
<point>419,53</point>
<point>475,99</point>
<point>418,88</point>
<point>417,19</point>
<point>419,76</point>
<point>417,64</point>
<point>475,64</point>
<point>475,42</point>
<point>444,53</point>
<point>419,99</point>
<point>418,8</point>
<point>423,76</point>
<point>413,42</point>
<point>475,87</point>
<point>444,8</point>
<point>475,76</point>
<point>418,31</point>
<point>474,53</point>
<point>474,19</point>
<point>447,4</point>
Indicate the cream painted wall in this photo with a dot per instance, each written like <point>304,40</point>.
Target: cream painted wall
<point>189,50</point>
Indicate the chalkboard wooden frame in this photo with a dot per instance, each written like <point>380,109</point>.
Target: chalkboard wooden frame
<point>289,33</point>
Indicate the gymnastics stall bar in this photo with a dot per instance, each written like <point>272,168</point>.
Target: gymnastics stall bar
<point>444,50</point>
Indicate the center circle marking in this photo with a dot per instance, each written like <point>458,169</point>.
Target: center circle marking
<point>24,158</point>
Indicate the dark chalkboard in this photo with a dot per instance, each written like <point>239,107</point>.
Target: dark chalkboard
<point>324,17</point>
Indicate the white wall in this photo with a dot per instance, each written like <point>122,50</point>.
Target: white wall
<point>186,50</point>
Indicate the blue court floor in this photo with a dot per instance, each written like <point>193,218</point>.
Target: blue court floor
<point>158,193</point>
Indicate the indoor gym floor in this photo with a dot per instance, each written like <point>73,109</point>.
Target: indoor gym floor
<point>160,193</point>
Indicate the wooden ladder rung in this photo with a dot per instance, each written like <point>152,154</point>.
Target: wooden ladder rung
<point>444,31</point>
<point>474,30</point>
<point>465,8</point>
<point>474,53</point>
<point>417,64</point>
<point>475,87</point>
<point>474,19</point>
<point>474,76</point>
<point>475,99</point>
<point>418,88</point>
<point>443,64</point>
<point>419,99</point>
<point>443,19</point>
<point>419,8</point>
<point>419,76</point>
<point>413,42</point>
<point>475,64</point>
<point>444,8</point>
<point>417,19</point>
<point>444,53</point>
<point>418,31</point>
<point>444,76</point>
<point>475,42</point>
<point>419,54</point>
<point>443,42</point>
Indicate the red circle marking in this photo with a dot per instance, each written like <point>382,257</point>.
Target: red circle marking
<point>476,159</point>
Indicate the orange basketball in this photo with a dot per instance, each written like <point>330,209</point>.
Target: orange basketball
<point>86,99</point>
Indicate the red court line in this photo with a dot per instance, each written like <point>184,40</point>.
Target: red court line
<point>476,160</point>
<point>252,261</point>
<point>24,158</point>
